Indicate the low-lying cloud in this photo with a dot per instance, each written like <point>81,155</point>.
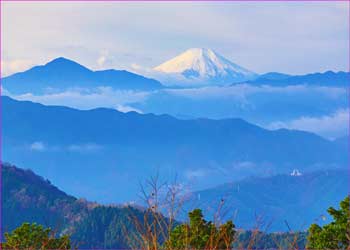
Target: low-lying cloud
<point>9,67</point>
<point>241,91</point>
<point>40,146</point>
<point>89,98</point>
<point>322,110</point>
<point>84,148</point>
<point>330,126</point>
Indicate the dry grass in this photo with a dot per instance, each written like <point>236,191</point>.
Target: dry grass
<point>162,204</point>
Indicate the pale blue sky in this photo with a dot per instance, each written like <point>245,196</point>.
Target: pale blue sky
<point>287,37</point>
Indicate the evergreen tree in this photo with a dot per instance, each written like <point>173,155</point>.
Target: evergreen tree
<point>201,234</point>
<point>335,235</point>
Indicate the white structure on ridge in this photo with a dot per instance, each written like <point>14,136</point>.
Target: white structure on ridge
<point>295,172</point>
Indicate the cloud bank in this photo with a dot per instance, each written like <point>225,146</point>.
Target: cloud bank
<point>89,98</point>
<point>40,146</point>
<point>331,126</point>
<point>322,110</point>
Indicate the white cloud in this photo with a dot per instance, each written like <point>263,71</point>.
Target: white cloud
<point>167,79</point>
<point>242,91</point>
<point>125,109</point>
<point>89,98</point>
<point>331,126</point>
<point>122,100</point>
<point>5,91</point>
<point>101,60</point>
<point>244,165</point>
<point>136,67</point>
<point>38,146</point>
<point>84,148</point>
<point>196,173</point>
<point>234,101</point>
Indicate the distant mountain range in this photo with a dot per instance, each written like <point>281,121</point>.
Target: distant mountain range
<point>278,202</point>
<point>61,74</point>
<point>196,67</point>
<point>328,78</point>
<point>91,153</point>
<point>273,76</point>
<point>202,66</point>
<point>205,67</point>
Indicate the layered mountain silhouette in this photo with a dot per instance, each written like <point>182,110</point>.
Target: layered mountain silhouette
<point>194,67</point>
<point>328,78</point>
<point>91,153</point>
<point>62,74</point>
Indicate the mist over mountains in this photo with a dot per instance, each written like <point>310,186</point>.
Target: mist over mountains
<point>173,126</point>
<point>273,100</point>
<point>195,67</point>
<point>328,78</point>
<point>224,132</point>
<point>91,153</point>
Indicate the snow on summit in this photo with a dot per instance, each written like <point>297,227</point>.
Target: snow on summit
<point>205,66</point>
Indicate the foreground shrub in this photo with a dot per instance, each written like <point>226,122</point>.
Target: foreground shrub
<point>33,236</point>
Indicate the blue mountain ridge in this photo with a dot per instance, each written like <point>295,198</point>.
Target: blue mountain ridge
<point>328,78</point>
<point>61,74</point>
<point>92,153</point>
<point>281,202</point>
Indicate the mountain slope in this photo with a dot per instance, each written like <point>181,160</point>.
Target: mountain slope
<point>62,74</point>
<point>205,66</point>
<point>297,200</point>
<point>28,197</point>
<point>89,152</point>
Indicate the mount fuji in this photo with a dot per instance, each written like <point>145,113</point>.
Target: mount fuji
<point>205,67</point>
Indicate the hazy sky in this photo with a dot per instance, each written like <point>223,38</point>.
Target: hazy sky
<point>286,37</point>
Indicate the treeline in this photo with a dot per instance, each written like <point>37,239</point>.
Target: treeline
<point>147,232</point>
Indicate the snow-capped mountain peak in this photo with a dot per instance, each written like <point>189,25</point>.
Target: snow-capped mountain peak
<point>207,66</point>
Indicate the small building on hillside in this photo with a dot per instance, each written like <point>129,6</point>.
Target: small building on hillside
<point>295,172</point>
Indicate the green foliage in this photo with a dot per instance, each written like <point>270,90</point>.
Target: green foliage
<point>335,235</point>
<point>105,227</point>
<point>201,234</point>
<point>33,236</point>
